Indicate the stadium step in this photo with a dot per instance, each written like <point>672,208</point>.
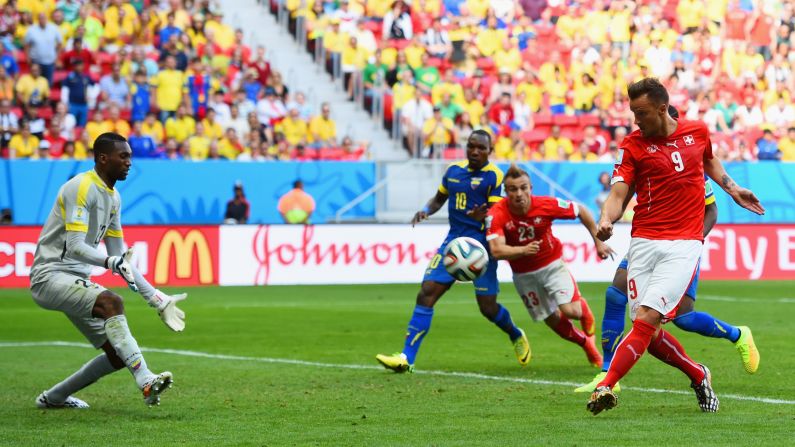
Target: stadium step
<point>302,74</point>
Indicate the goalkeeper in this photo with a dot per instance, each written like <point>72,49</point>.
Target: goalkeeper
<point>87,211</point>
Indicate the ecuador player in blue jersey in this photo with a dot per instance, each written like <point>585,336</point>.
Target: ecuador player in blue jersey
<point>472,186</point>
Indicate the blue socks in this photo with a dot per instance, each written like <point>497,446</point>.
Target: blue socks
<point>707,325</point>
<point>504,322</point>
<point>418,328</point>
<point>613,323</point>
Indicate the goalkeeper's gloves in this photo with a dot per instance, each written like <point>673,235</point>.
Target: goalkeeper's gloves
<point>120,265</point>
<point>166,306</point>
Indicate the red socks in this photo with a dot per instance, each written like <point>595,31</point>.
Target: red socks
<point>587,320</point>
<point>668,349</point>
<point>567,331</point>
<point>628,352</point>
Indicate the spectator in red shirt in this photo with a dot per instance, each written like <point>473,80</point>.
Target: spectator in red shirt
<point>501,113</point>
<point>78,52</point>
<point>53,136</point>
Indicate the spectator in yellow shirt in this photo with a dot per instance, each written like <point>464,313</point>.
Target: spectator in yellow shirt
<point>293,127</point>
<point>212,128</point>
<point>32,88</point>
<point>323,129</point>
<point>152,127</point>
<point>230,146</point>
<point>508,57</point>
<point>181,126</point>
<point>787,145</point>
<point>585,92</point>
<point>199,144</point>
<point>96,126</point>
<point>438,131</point>
<point>488,39</point>
<point>169,89</point>
<point>23,144</point>
<point>473,107</point>
<point>114,123</point>
<point>557,147</point>
<point>583,154</point>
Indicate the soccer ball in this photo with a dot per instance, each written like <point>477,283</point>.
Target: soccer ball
<point>465,259</point>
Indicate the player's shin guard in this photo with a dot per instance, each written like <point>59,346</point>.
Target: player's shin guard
<point>504,322</point>
<point>628,352</point>
<point>613,323</point>
<point>418,328</point>
<point>707,325</point>
<point>89,373</point>
<point>127,348</point>
<point>668,349</point>
<point>569,332</point>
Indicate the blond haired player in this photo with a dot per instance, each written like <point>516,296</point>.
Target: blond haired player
<point>87,211</point>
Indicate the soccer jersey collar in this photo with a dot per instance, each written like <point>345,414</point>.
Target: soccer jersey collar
<point>97,180</point>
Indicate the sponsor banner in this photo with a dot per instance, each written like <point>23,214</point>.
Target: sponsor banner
<point>749,252</point>
<point>165,255</point>
<point>371,254</point>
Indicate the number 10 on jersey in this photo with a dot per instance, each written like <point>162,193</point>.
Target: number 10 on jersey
<point>460,201</point>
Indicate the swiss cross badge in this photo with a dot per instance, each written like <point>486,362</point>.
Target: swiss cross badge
<point>689,140</point>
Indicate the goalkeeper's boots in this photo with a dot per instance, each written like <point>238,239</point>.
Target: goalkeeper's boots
<point>593,354</point>
<point>396,362</point>
<point>521,347</point>
<point>71,402</point>
<point>155,386</point>
<point>602,398</point>
<point>747,348</point>
<point>707,399</point>
<point>591,386</point>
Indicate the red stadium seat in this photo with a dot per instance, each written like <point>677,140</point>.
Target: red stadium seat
<point>542,119</point>
<point>565,120</point>
<point>452,153</point>
<point>45,113</point>
<point>589,120</point>
<point>535,136</point>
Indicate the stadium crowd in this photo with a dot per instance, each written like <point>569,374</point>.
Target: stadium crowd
<point>169,75</point>
<point>548,77</point>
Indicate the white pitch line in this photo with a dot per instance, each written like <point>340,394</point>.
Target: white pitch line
<point>466,375</point>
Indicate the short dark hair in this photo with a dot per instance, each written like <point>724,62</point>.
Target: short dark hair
<point>673,112</point>
<point>298,184</point>
<point>651,87</point>
<point>482,133</point>
<point>514,171</point>
<point>106,143</point>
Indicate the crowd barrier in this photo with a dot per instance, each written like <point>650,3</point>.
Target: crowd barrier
<point>374,254</point>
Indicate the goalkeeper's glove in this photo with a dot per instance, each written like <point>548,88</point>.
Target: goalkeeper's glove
<point>166,306</point>
<point>121,266</point>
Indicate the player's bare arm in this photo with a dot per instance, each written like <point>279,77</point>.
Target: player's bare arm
<point>501,250</point>
<point>742,196</point>
<point>710,217</point>
<point>430,208</point>
<point>479,212</point>
<point>612,210</point>
<point>586,218</point>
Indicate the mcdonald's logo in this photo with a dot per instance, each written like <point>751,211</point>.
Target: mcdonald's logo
<point>183,248</point>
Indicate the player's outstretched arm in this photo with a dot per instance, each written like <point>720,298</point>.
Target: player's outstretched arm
<point>501,250</point>
<point>742,196</point>
<point>166,306</point>
<point>431,207</point>
<point>612,210</point>
<point>603,250</point>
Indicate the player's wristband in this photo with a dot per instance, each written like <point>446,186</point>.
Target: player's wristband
<point>426,210</point>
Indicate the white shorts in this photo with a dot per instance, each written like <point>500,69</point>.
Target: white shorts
<point>543,290</point>
<point>659,273</point>
<point>75,296</point>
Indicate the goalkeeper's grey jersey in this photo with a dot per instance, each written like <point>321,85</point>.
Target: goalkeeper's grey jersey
<point>84,204</point>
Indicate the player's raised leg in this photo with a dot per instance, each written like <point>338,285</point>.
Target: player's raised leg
<point>688,319</point>
<point>60,395</point>
<point>418,327</point>
<point>109,307</point>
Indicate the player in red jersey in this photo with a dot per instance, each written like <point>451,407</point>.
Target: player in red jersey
<point>664,161</point>
<point>519,229</point>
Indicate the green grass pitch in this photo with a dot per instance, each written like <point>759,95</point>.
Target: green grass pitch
<point>295,366</point>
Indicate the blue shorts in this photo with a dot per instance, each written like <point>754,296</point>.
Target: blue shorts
<point>691,289</point>
<point>485,285</point>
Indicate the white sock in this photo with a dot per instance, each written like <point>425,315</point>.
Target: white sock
<point>127,348</point>
<point>89,373</point>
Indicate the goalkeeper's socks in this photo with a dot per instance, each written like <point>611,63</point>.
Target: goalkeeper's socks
<point>613,323</point>
<point>127,348</point>
<point>419,325</point>
<point>89,373</point>
<point>707,325</point>
<point>504,322</point>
